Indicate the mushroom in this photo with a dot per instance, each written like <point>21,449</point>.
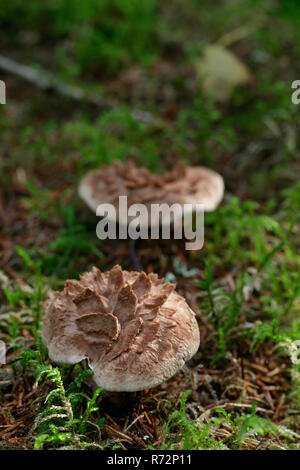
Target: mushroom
<point>178,187</point>
<point>135,331</point>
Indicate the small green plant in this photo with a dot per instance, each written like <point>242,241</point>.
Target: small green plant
<point>64,420</point>
<point>223,310</point>
<point>252,424</point>
<point>185,433</point>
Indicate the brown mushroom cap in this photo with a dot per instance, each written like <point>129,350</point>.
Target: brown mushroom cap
<point>181,185</point>
<point>135,331</point>
<point>2,352</point>
<point>199,185</point>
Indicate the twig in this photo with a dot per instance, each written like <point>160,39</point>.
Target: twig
<point>116,433</point>
<point>239,33</point>
<point>133,422</point>
<point>48,82</point>
<point>134,256</point>
<point>233,405</point>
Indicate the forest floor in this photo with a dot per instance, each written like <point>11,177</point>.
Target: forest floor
<point>242,388</point>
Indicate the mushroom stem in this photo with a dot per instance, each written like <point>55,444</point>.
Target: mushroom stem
<point>134,256</point>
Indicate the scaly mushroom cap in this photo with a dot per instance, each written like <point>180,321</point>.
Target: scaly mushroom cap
<point>135,331</point>
<point>180,185</point>
<point>199,185</point>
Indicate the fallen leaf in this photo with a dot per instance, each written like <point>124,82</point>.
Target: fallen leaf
<point>220,71</point>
